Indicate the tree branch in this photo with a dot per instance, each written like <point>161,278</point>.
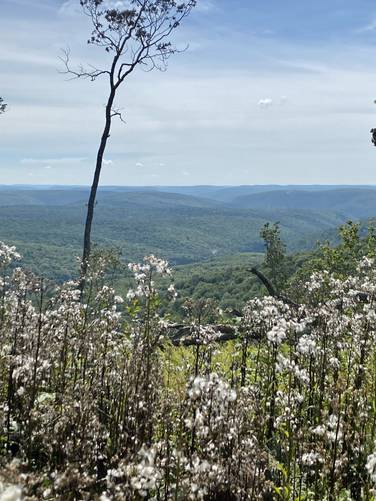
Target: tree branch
<point>184,335</point>
<point>117,113</point>
<point>270,288</point>
<point>80,72</point>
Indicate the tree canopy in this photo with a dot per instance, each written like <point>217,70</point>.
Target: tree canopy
<point>2,105</point>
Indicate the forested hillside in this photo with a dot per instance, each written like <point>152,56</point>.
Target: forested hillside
<point>190,227</point>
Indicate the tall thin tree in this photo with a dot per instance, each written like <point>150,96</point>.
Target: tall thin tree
<point>136,33</point>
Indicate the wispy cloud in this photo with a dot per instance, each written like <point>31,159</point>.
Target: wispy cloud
<point>52,161</point>
<point>70,8</point>
<point>371,26</point>
<point>216,114</point>
<point>205,5</point>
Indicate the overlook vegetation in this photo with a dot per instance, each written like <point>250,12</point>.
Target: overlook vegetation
<point>109,399</point>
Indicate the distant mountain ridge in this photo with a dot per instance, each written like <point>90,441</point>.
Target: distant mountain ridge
<point>66,197</point>
<point>188,225</point>
<point>357,203</point>
<point>352,202</point>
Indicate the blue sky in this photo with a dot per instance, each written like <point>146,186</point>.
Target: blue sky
<point>269,91</point>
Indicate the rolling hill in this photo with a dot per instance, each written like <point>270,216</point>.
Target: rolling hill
<point>186,225</point>
<point>47,226</point>
<point>352,202</point>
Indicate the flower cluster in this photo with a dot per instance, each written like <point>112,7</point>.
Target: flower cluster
<point>97,403</point>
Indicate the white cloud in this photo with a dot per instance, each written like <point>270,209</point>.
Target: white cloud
<point>205,5</point>
<point>26,57</point>
<point>107,162</point>
<point>139,164</point>
<point>70,7</point>
<point>268,102</point>
<point>265,103</point>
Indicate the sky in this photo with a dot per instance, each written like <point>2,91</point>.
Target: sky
<point>268,92</point>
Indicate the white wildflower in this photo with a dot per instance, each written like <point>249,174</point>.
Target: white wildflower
<point>311,459</point>
<point>307,345</point>
<point>277,335</point>
<point>371,467</point>
<point>11,493</point>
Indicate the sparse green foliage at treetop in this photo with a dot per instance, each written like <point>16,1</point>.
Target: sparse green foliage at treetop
<point>275,255</point>
<point>2,105</point>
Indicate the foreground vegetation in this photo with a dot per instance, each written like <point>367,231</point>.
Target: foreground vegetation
<point>98,402</point>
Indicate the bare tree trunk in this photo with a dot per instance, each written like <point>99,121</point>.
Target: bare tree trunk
<point>94,187</point>
<point>136,36</point>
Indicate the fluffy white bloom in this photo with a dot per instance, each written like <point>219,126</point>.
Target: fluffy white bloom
<point>334,432</point>
<point>317,281</point>
<point>371,467</point>
<point>172,291</point>
<point>307,345</point>
<point>8,254</point>
<point>366,264</point>
<point>311,459</point>
<point>334,362</point>
<point>145,474</point>
<point>10,493</point>
<point>319,430</point>
<point>277,335</point>
<point>212,385</point>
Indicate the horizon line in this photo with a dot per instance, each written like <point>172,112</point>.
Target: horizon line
<point>46,185</point>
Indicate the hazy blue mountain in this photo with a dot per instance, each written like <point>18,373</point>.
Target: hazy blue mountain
<point>155,199</point>
<point>148,198</point>
<point>355,203</point>
<point>220,193</point>
<point>193,225</point>
<point>26,197</point>
<point>231,194</point>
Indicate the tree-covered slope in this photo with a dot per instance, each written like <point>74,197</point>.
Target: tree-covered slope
<point>179,228</point>
<point>353,202</point>
<point>185,227</point>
